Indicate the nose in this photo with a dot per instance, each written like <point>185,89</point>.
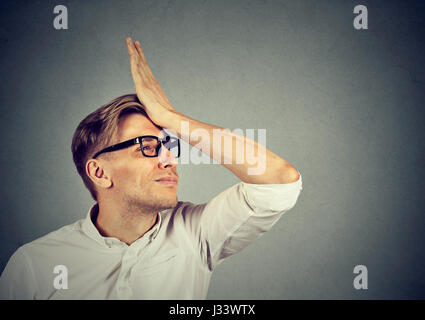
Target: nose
<point>166,158</point>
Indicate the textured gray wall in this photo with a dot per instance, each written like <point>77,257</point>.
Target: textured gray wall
<point>344,106</point>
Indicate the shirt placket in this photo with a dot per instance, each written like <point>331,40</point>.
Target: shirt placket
<point>131,255</point>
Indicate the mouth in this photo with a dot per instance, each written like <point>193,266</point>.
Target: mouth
<point>171,181</point>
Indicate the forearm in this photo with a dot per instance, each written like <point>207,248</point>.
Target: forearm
<point>234,151</point>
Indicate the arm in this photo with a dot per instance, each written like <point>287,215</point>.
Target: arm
<point>201,135</point>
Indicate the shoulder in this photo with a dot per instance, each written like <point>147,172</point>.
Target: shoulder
<point>59,237</point>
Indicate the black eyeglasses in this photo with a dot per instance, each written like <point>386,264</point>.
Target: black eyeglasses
<point>149,145</point>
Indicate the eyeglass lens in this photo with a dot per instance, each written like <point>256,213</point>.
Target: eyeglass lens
<point>151,147</point>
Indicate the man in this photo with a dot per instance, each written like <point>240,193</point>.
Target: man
<point>138,241</point>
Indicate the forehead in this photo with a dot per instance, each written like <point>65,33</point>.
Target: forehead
<point>135,125</point>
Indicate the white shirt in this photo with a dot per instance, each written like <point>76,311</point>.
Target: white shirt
<point>173,260</point>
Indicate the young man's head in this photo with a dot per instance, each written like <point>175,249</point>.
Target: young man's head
<point>125,174</point>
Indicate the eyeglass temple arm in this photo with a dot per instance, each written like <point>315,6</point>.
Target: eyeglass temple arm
<point>118,146</point>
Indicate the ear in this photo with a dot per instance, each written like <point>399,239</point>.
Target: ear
<point>95,169</point>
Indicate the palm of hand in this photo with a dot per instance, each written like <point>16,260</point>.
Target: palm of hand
<point>148,90</point>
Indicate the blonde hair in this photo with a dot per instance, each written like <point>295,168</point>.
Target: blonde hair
<point>97,130</point>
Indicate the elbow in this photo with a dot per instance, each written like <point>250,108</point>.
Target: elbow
<point>289,174</point>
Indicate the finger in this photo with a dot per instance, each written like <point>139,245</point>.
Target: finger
<point>128,44</point>
<point>143,60</point>
<point>136,58</point>
<point>135,62</point>
<point>134,67</point>
<point>140,51</point>
<point>130,48</point>
<point>136,72</point>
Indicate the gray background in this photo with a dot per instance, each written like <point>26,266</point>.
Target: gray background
<point>345,107</point>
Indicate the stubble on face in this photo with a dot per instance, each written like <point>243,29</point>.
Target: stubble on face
<point>148,203</point>
<point>149,198</point>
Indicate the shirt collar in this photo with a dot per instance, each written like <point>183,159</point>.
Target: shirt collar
<point>90,229</point>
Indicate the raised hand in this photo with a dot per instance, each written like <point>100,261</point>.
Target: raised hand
<point>148,90</point>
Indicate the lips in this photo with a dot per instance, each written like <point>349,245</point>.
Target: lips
<point>168,180</point>
<point>172,179</point>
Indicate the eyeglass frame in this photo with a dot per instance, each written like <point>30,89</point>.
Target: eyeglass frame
<point>138,140</point>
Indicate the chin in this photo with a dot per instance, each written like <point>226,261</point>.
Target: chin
<point>169,203</point>
<point>174,202</point>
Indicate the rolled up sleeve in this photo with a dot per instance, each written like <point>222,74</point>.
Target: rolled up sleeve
<point>237,216</point>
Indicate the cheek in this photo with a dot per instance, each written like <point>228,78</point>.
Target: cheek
<point>140,176</point>
<point>122,177</point>
<point>124,174</point>
<point>134,173</point>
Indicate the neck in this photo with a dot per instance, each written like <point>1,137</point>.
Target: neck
<point>127,226</point>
